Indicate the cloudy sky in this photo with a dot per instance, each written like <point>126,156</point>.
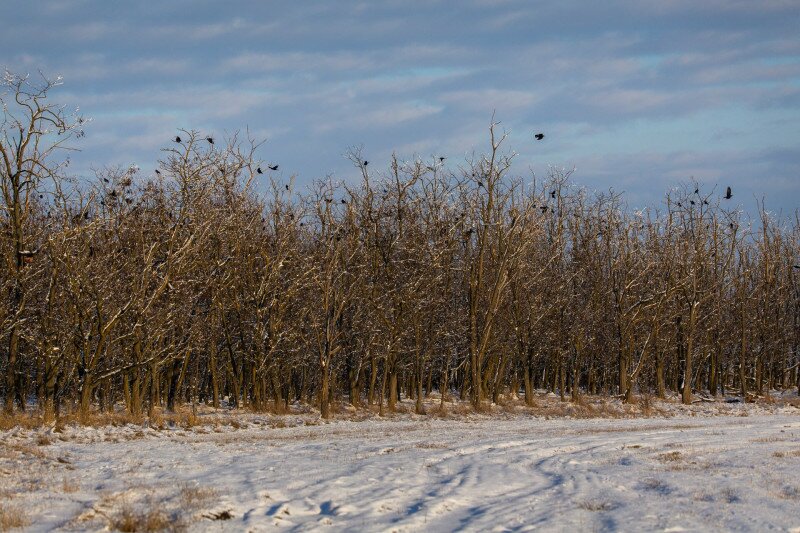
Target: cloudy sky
<point>638,95</point>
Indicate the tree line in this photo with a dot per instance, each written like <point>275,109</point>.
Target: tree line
<point>209,278</point>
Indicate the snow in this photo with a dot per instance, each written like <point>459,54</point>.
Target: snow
<point>513,473</point>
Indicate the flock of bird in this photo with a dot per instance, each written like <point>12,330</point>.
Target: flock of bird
<point>538,136</point>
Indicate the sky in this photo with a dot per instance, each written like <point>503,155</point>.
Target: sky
<point>638,96</point>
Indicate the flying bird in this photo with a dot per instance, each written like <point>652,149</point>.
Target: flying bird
<point>210,140</point>
<point>728,193</point>
<point>275,167</point>
<point>177,139</point>
<point>539,136</point>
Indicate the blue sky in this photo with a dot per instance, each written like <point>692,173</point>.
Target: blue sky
<point>638,95</point>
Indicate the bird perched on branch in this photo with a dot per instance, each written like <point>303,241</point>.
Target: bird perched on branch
<point>177,139</point>
<point>539,136</point>
<point>258,170</point>
<point>728,193</point>
<point>210,140</point>
<point>366,163</point>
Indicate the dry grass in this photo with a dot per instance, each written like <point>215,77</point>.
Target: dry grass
<point>790,453</point>
<point>11,517</point>
<point>69,486</point>
<point>131,520</point>
<point>670,457</point>
<point>597,505</point>
<point>192,497</point>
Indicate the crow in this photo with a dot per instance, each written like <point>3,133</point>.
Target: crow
<point>41,196</point>
<point>728,193</point>
<point>287,187</point>
<point>480,184</point>
<point>705,202</point>
<point>680,205</point>
<point>105,180</point>
<point>366,163</point>
<point>210,140</point>
<point>539,136</point>
<point>697,191</point>
<point>344,201</point>
<point>552,194</point>
<point>177,139</point>
<point>796,266</point>
<point>158,172</point>
<point>441,159</point>
<point>691,202</point>
<point>259,170</point>
<point>274,167</point>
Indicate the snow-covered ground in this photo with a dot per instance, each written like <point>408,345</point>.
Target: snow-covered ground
<point>692,473</point>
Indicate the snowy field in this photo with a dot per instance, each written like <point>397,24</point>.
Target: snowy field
<point>689,472</point>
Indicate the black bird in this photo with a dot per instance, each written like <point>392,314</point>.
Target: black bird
<point>105,180</point>
<point>287,187</point>
<point>41,196</point>
<point>730,225</point>
<point>177,139</point>
<point>797,267</point>
<point>158,172</point>
<point>480,184</point>
<point>697,191</point>
<point>441,159</point>
<point>344,201</point>
<point>366,163</point>
<point>691,202</point>
<point>728,193</point>
<point>275,167</point>
<point>705,202</point>
<point>552,194</point>
<point>210,140</point>
<point>259,170</point>
<point>679,204</point>
<point>539,136</point>
<point>544,209</point>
